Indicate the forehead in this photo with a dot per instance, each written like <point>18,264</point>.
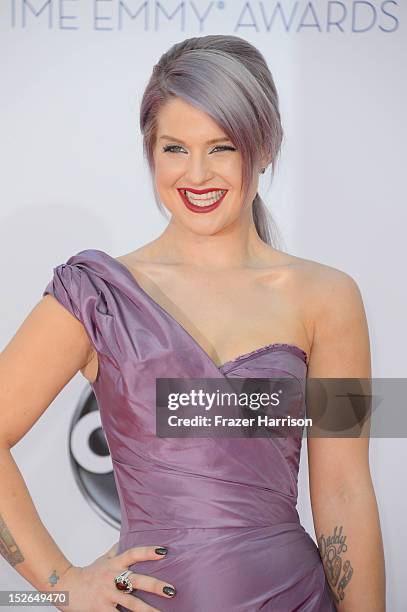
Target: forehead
<point>181,119</point>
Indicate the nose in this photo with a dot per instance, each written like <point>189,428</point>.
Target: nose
<point>198,171</point>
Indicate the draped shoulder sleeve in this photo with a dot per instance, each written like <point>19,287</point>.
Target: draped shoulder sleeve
<point>79,285</point>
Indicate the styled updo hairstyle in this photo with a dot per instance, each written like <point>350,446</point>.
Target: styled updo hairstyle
<point>227,78</point>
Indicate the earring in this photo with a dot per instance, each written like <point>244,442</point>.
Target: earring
<point>262,170</point>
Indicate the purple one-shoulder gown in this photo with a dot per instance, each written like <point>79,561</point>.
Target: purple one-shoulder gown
<point>224,507</point>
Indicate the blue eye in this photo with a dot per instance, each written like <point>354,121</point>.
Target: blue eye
<point>170,148</point>
<point>225,148</point>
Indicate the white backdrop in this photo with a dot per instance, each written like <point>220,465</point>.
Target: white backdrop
<point>73,177</point>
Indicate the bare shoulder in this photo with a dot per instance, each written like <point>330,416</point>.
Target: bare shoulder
<point>334,295</point>
<point>333,309</point>
<point>340,336</point>
<point>144,256</point>
<point>320,275</point>
<point>323,287</point>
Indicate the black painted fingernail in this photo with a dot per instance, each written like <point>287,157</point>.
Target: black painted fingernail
<point>161,550</point>
<point>169,590</point>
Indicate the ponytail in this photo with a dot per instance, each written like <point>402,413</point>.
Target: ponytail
<point>265,224</point>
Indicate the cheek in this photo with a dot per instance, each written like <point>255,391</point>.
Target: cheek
<point>165,174</point>
<point>232,170</point>
<point>168,171</point>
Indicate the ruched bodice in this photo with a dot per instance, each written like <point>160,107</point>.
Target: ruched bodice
<point>224,507</point>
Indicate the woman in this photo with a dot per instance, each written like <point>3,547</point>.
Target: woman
<point>211,297</point>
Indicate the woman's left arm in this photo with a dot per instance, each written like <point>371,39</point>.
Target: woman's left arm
<point>343,501</point>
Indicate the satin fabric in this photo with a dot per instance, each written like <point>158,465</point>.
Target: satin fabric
<point>224,507</point>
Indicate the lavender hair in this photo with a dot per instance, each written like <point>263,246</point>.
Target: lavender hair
<point>227,78</point>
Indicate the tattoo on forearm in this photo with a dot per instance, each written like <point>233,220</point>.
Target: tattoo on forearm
<point>330,549</point>
<point>53,579</point>
<point>8,546</point>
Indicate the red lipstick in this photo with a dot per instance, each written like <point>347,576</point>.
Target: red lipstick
<point>196,208</point>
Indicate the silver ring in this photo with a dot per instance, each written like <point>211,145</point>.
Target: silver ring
<point>123,583</point>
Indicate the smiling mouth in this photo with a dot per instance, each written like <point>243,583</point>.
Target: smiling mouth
<point>204,200</point>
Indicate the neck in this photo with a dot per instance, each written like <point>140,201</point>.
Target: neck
<point>235,246</point>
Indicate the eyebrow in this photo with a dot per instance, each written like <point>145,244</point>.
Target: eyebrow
<point>213,141</point>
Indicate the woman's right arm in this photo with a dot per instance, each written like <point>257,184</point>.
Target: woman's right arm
<point>48,349</point>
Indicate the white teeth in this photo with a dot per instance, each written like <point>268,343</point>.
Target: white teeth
<point>204,199</point>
